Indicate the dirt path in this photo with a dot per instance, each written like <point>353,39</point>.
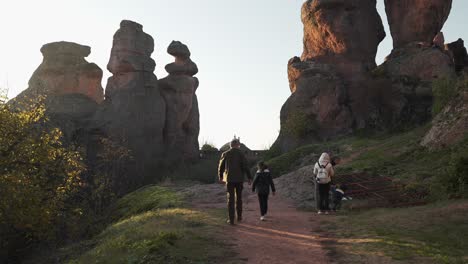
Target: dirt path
<point>287,235</point>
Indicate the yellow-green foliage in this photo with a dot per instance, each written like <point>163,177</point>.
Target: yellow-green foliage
<point>38,174</point>
<point>437,232</point>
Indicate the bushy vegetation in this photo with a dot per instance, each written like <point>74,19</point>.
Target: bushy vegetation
<point>443,90</point>
<point>150,225</point>
<point>299,125</point>
<point>434,233</point>
<point>208,147</point>
<point>38,178</point>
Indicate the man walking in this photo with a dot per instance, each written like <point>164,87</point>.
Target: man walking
<point>233,166</point>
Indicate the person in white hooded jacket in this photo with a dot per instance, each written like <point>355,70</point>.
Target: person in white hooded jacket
<point>323,171</point>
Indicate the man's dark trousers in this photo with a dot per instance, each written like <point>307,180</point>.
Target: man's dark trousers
<point>234,193</point>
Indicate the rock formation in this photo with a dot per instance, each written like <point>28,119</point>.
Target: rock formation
<point>340,43</point>
<point>337,88</point>
<point>416,20</point>
<point>64,70</point>
<point>134,112</point>
<point>343,33</point>
<point>424,63</point>
<point>458,54</point>
<point>70,86</point>
<point>451,125</point>
<point>178,90</point>
<point>142,128</point>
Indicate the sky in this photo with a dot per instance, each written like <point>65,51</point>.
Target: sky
<point>241,48</point>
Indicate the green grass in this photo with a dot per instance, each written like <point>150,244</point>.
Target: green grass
<point>396,155</point>
<point>151,225</point>
<point>438,232</point>
<point>145,199</point>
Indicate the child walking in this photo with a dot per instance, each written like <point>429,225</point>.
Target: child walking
<point>262,183</point>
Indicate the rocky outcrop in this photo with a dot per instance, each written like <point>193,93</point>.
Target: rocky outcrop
<point>424,63</point>
<point>337,88</point>
<point>143,127</point>
<point>451,125</point>
<point>134,112</point>
<point>298,186</point>
<point>178,90</point>
<point>343,33</point>
<point>458,54</point>
<point>64,70</point>
<point>416,20</point>
<point>317,109</point>
<point>340,43</point>
<point>69,86</point>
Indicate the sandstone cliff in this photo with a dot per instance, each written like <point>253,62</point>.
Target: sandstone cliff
<point>336,88</point>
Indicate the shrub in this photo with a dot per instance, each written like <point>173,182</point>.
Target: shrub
<point>299,125</point>
<point>443,90</point>
<point>38,177</point>
<point>208,147</point>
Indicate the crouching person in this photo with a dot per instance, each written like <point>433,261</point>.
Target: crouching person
<point>262,183</point>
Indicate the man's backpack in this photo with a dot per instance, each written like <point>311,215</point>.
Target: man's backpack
<point>322,174</point>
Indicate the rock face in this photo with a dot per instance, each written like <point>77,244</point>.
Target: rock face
<point>337,88</point>
<point>64,70</point>
<point>71,88</point>
<point>458,54</point>
<point>451,125</point>
<point>425,63</point>
<point>134,112</point>
<point>298,186</point>
<point>340,43</point>
<point>341,32</point>
<point>143,127</point>
<point>416,20</point>
<point>178,90</point>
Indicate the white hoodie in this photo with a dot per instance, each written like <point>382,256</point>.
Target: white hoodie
<point>324,160</point>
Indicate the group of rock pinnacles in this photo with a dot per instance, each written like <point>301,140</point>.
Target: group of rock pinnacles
<point>336,86</point>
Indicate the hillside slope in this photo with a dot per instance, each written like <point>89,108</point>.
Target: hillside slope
<point>150,225</point>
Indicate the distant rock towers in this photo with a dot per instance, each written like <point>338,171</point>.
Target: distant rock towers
<point>157,121</point>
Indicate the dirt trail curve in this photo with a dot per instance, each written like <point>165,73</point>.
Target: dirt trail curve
<point>287,235</point>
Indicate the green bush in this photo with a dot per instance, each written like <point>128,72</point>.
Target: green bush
<point>299,125</point>
<point>39,177</point>
<point>208,147</point>
<point>443,90</point>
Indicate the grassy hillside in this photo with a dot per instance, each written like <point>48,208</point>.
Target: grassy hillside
<point>150,225</point>
<point>399,156</point>
<point>435,233</point>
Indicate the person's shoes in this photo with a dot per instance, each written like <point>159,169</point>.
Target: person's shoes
<point>319,212</point>
<point>230,222</point>
<point>262,218</point>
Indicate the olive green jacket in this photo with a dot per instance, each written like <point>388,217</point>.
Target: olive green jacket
<point>233,165</point>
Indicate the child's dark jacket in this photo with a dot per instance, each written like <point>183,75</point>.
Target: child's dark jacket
<point>262,182</point>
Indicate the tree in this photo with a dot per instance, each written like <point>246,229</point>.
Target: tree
<point>37,176</point>
<point>208,147</point>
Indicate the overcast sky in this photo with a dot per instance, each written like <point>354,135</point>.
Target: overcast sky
<point>241,47</point>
